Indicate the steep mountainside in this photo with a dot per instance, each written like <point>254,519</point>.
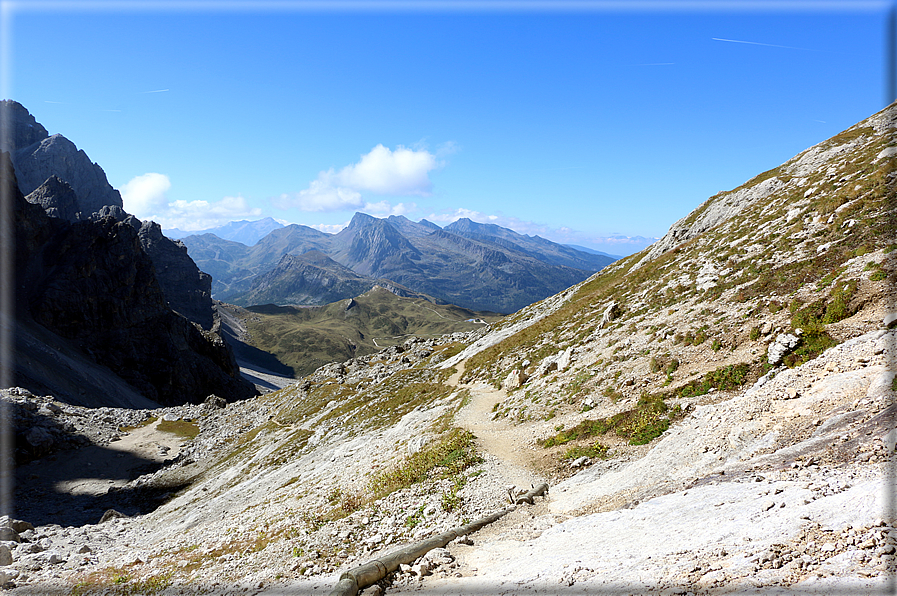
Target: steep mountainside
<point>87,290</point>
<point>54,174</point>
<point>713,415</point>
<point>36,156</point>
<point>482,268</point>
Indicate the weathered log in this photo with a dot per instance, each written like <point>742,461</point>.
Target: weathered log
<point>528,496</point>
<point>354,580</point>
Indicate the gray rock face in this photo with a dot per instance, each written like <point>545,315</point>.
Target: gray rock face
<point>187,289</point>
<point>710,214</point>
<point>57,198</point>
<point>90,283</point>
<point>23,131</point>
<point>38,156</point>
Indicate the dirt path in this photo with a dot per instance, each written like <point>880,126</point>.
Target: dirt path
<point>71,487</point>
<point>508,443</point>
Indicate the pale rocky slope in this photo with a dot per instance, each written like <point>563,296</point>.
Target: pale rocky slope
<point>771,478</point>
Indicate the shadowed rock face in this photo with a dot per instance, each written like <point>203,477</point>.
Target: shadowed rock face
<point>187,289</point>
<point>54,174</point>
<point>91,283</point>
<point>57,198</point>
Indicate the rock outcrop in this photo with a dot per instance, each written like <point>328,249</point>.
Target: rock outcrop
<point>37,156</point>
<point>54,174</point>
<point>91,285</point>
<point>57,198</point>
<point>187,289</point>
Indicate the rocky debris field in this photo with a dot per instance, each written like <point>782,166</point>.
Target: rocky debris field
<point>791,507</point>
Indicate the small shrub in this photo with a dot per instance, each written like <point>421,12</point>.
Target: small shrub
<point>755,334</point>
<point>596,450</point>
<point>723,378</point>
<point>715,345</point>
<point>811,345</point>
<point>878,276</point>
<point>838,307</point>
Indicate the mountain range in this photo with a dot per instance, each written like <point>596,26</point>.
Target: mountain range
<point>713,415</point>
<point>243,231</point>
<point>477,266</point>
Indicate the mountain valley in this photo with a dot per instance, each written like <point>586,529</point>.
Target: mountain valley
<point>712,415</point>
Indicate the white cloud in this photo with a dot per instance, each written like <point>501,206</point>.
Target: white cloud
<point>403,172</point>
<point>146,197</point>
<point>321,196</point>
<point>384,208</point>
<point>330,228</point>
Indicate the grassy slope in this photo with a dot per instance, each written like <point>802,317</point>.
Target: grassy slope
<point>307,338</point>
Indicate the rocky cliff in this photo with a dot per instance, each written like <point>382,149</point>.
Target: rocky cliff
<point>187,289</point>
<point>37,155</point>
<point>91,285</point>
<point>54,174</point>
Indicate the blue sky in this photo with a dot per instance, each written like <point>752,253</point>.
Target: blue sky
<point>580,125</point>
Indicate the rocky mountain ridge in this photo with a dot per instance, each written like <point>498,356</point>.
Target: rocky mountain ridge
<point>53,173</point>
<point>96,287</point>
<point>479,267</point>
<point>90,285</point>
<point>685,453</point>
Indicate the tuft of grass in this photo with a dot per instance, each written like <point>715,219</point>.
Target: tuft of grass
<point>639,425</point>
<point>455,452</point>
<point>723,378</point>
<point>811,345</point>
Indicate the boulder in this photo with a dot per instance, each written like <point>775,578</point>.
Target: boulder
<point>610,313</point>
<point>782,346</point>
<point>515,380</point>
<point>566,358</point>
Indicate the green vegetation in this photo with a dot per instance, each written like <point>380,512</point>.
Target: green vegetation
<point>812,318</point>
<point>305,338</point>
<point>596,450</point>
<point>649,419</point>
<point>723,378</point>
<point>811,345</point>
<point>181,428</point>
<point>453,453</point>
